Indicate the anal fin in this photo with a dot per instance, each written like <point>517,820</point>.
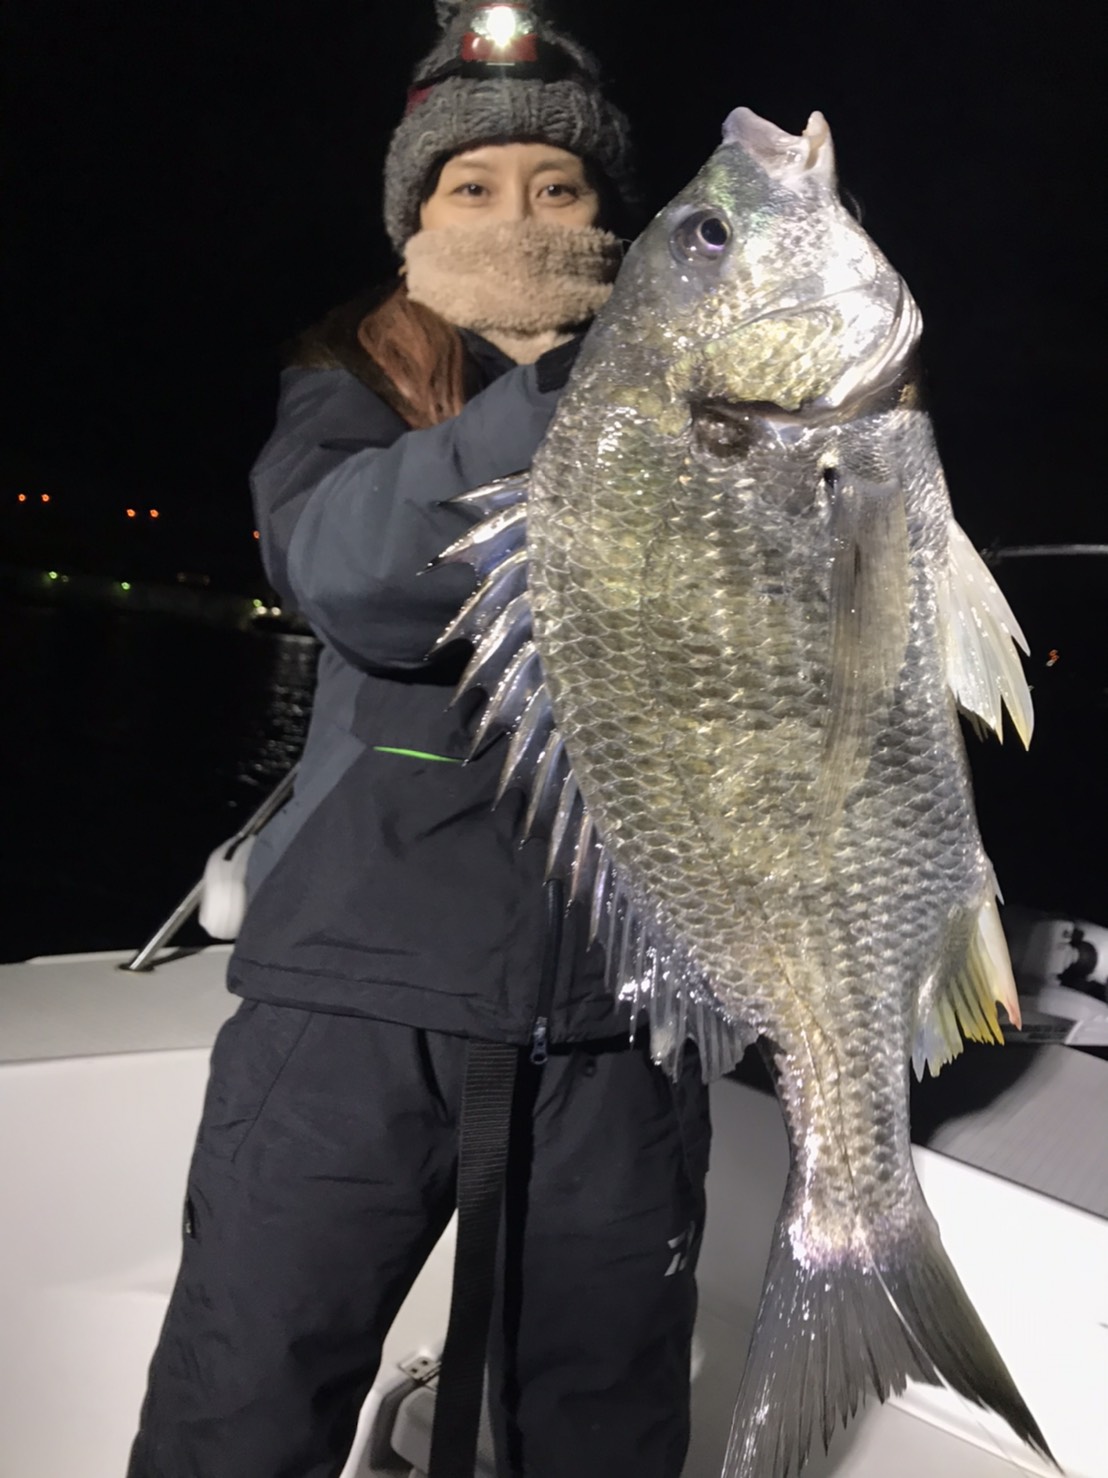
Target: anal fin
<point>962,1005</point>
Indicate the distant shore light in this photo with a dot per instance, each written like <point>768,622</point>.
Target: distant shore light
<point>45,497</point>
<point>23,499</point>
<point>130,513</point>
<point>154,513</point>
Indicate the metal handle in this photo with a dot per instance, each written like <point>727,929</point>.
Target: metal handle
<point>191,901</point>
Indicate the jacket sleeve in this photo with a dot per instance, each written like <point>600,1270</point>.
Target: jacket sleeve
<point>349,504</point>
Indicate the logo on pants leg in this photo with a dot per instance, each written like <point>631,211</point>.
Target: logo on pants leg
<point>681,1247</point>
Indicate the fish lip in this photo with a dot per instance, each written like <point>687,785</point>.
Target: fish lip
<point>793,160</point>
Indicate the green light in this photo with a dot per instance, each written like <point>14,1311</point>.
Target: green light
<point>51,574</point>
<point>124,584</point>
<point>259,605</point>
<point>416,754</point>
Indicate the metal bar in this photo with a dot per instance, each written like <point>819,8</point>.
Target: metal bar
<point>180,916</point>
<point>191,901</point>
<point>272,803</point>
<point>1029,551</point>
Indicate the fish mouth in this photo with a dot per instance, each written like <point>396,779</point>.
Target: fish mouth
<point>880,325</point>
<point>793,160</point>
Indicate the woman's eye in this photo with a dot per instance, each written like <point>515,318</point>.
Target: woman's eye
<point>701,237</point>
<point>560,191</point>
<point>471,190</point>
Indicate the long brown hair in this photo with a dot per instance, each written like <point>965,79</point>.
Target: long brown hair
<point>420,355</point>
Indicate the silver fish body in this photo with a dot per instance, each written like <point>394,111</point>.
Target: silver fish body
<point>756,620</point>
<point>683,621</point>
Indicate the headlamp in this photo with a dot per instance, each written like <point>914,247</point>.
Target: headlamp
<point>500,35</point>
<point>502,41</point>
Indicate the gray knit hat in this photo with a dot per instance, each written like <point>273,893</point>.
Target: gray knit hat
<point>499,71</point>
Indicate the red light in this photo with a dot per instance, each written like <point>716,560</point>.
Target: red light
<point>130,513</point>
<point>484,49</point>
<point>256,534</point>
<point>23,497</point>
<point>154,513</point>
<point>46,497</point>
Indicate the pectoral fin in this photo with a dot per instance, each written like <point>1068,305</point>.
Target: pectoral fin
<point>981,634</point>
<point>869,612</point>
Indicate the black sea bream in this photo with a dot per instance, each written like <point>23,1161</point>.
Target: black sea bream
<point>730,621</point>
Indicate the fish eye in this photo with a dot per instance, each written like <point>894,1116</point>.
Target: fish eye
<point>701,237</point>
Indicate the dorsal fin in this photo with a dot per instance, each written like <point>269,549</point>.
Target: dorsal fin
<point>645,969</point>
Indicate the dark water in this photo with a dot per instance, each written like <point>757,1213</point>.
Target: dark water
<point>132,744</point>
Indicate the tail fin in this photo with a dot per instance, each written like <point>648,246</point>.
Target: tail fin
<point>831,1329</point>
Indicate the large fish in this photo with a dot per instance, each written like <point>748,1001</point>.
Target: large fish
<point>729,620</point>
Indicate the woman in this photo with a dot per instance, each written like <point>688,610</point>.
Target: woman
<point>396,924</point>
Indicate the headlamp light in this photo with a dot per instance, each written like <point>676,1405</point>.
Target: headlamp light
<point>500,35</point>
<point>502,41</point>
<point>500,23</point>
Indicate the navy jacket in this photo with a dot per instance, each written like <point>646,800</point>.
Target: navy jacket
<point>389,886</point>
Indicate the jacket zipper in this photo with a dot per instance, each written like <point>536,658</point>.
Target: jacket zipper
<point>552,950</point>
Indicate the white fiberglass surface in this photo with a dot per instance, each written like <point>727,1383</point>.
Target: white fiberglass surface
<point>93,1160</point>
<point>93,1156</point>
<point>87,1006</point>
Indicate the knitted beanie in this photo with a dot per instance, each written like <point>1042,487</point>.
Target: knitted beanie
<point>499,72</point>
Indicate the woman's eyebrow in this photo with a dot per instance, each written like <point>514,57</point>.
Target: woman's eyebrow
<point>461,162</point>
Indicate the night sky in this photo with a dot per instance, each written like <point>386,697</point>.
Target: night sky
<point>187,184</point>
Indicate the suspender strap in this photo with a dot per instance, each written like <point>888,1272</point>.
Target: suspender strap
<point>482,1157</point>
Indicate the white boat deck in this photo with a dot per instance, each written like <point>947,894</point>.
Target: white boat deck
<point>85,1006</point>
<point>101,1078</point>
